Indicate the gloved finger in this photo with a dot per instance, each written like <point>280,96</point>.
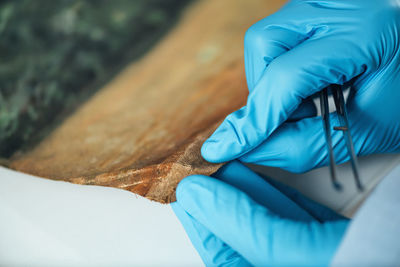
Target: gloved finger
<point>261,191</point>
<point>212,250</point>
<point>306,109</point>
<point>318,211</point>
<point>301,146</point>
<point>290,78</point>
<point>277,197</point>
<point>263,42</point>
<point>274,35</point>
<point>257,234</point>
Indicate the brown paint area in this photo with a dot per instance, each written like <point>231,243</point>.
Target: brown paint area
<point>144,130</point>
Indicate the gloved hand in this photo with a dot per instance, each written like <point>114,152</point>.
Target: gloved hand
<point>296,52</point>
<point>238,219</point>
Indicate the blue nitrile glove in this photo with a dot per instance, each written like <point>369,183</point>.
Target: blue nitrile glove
<point>296,52</point>
<point>240,219</point>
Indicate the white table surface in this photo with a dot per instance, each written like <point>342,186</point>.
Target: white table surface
<point>50,223</point>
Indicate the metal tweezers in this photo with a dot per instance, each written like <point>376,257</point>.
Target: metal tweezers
<point>338,98</point>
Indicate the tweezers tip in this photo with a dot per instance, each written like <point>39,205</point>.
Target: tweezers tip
<point>337,186</point>
<point>360,187</point>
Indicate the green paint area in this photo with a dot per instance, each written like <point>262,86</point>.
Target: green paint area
<point>55,54</point>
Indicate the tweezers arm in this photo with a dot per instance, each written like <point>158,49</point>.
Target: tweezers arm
<point>341,110</point>
<point>327,129</point>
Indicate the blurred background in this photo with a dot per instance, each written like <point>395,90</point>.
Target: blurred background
<point>55,54</point>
